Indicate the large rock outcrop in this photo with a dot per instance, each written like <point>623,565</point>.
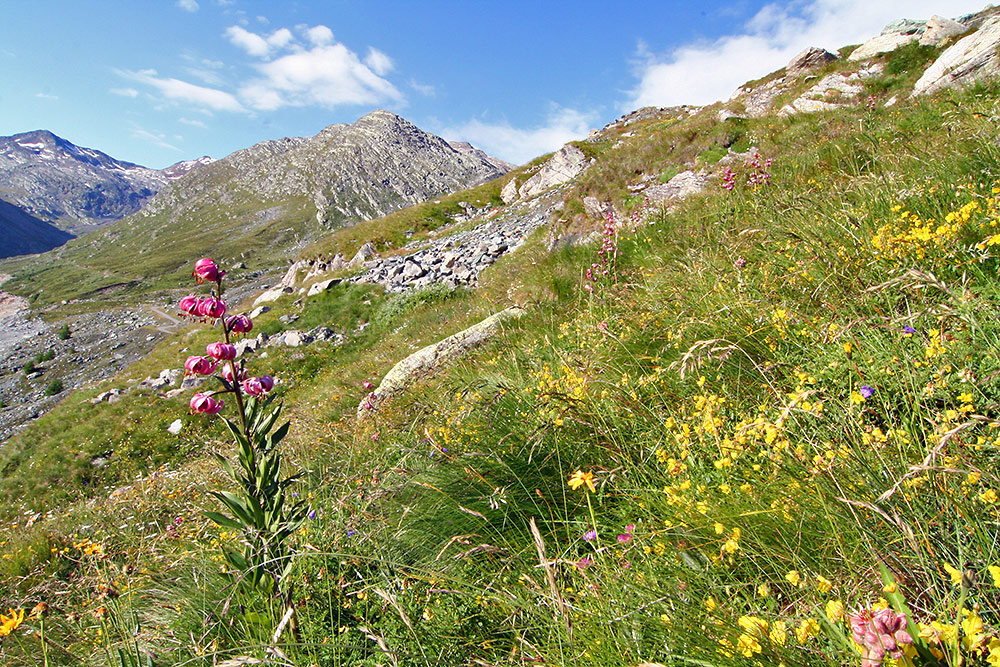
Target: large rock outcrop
<point>969,59</point>
<point>564,166</point>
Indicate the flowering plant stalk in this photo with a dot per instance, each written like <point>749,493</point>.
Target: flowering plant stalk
<point>260,505</point>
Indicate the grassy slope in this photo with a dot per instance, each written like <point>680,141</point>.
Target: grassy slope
<point>711,384</point>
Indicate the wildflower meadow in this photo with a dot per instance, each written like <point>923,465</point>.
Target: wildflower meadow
<point>757,427</point>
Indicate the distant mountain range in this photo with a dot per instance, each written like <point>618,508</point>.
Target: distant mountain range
<point>65,188</point>
<point>260,204</point>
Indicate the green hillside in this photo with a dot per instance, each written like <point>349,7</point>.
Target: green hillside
<point>773,406</point>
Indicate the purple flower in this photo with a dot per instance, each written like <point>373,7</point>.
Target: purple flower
<point>909,331</point>
<point>590,535</point>
<point>312,514</point>
<point>866,391</point>
<point>585,562</point>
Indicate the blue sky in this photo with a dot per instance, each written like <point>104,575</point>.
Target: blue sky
<point>158,81</point>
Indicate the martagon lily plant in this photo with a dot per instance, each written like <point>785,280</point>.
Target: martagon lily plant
<point>260,505</point>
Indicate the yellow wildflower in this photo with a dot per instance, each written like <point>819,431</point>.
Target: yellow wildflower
<point>580,478</point>
<point>793,577</point>
<point>748,645</point>
<point>995,572</point>
<point>956,574</point>
<point>823,585</point>
<point>710,604</point>
<point>11,623</point>
<point>778,634</point>
<point>806,629</point>
<point>834,610</point>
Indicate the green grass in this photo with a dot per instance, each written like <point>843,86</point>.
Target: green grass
<point>714,384</point>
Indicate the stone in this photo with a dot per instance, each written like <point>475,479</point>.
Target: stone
<point>682,185</point>
<point>325,334</point>
<point>365,253</point>
<point>882,44</point>
<point>904,27</point>
<point>940,29</point>
<point>192,382</point>
<point>291,275</point>
<point>509,192</point>
<point>322,286</point>
<point>412,270</point>
<point>258,311</point>
<point>273,295</point>
<point>595,208</point>
<point>726,114</point>
<point>808,60</point>
<point>429,359</point>
<point>969,59</point>
<point>175,427</point>
<point>565,165</point>
<point>758,101</point>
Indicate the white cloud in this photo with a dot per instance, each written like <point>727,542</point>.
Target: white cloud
<point>519,145</point>
<point>379,63</point>
<point>155,138</point>
<point>423,88</point>
<point>175,90</point>
<point>256,45</point>
<point>703,72</point>
<point>195,123</point>
<point>329,75</point>
<point>188,5</point>
<point>125,92</point>
<point>319,35</point>
<point>46,96</point>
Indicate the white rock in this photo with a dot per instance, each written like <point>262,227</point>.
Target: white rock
<point>969,59</point>
<point>565,165</point>
<point>881,44</point>
<point>258,311</point>
<point>509,192</point>
<point>273,295</point>
<point>940,28</point>
<point>682,185</point>
<point>175,426</point>
<point>322,286</point>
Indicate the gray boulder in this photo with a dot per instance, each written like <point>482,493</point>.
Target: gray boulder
<point>808,60</point>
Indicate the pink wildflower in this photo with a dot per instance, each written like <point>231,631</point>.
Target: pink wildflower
<point>199,366</point>
<point>221,351</point>
<point>205,404</point>
<point>205,270</point>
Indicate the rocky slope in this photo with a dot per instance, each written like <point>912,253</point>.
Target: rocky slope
<point>71,186</point>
